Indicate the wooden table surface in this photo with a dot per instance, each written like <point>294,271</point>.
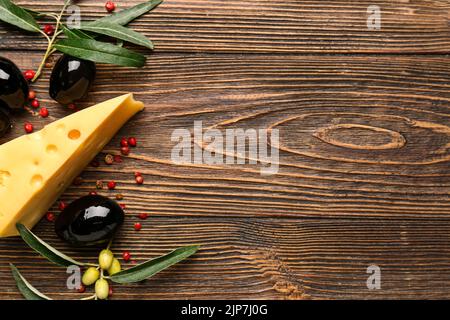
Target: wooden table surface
<point>339,202</point>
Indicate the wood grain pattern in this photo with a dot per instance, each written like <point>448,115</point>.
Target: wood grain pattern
<point>364,151</point>
<point>291,26</point>
<point>263,259</point>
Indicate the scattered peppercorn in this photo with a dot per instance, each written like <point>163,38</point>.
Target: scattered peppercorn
<point>31,95</point>
<point>92,193</point>
<point>81,289</point>
<point>110,292</point>
<point>71,106</point>
<point>35,103</point>
<point>48,65</point>
<point>78,181</point>
<point>43,112</point>
<point>124,142</point>
<point>132,142</point>
<point>137,226</point>
<point>139,179</point>
<point>118,159</point>
<point>137,174</point>
<point>122,205</point>
<point>50,217</point>
<point>119,196</point>
<point>126,256</point>
<point>110,6</point>
<point>99,184</point>
<point>143,216</point>
<point>125,151</point>
<point>109,159</point>
<point>29,74</point>
<point>111,185</point>
<point>28,127</point>
<point>95,163</point>
<point>49,29</point>
<point>62,205</point>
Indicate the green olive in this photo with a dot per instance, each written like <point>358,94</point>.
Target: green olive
<point>105,259</point>
<point>102,289</point>
<point>115,267</point>
<point>90,276</point>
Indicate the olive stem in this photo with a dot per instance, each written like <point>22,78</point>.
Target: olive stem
<point>109,243</point>
<point>50,50</point>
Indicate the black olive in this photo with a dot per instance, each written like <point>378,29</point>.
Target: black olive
<point>71,79</point>
<point>5,122</point>
<point>13,86</point>
<point>89,220</point>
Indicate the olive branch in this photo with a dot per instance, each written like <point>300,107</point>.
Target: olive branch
<point>95,274</point>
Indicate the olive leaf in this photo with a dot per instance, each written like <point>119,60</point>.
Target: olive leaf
<point>151,267</point>
<point>44,249</point>
<point>74,33</point>
<point>27,290</point>
<point>101,52</point>
<point>125,16</point>
<point>15,15</point>
<point>117,31</point>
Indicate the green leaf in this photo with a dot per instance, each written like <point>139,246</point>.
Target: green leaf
<point>44,249</point>
<point>151,267</point>
<point>73,33</point>
<point>15,15</point>
<point>117,31</point>
<point>101,52</point>
<point>34,13</point>
<point>27,290</point>
<point>125,16</point>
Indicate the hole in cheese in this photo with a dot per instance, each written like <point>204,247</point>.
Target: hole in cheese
<point>36,180</point>
<point>51,149</point>
<point>61,127</point>
<point>74,134</point>
<point>3,176</point>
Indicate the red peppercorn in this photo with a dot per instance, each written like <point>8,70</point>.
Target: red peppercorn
<point>81,289</point>
<point>132,142</point>
<point>143,216</point>
<point>71,106</point>
<point>29,74</point>
<point>137,174</point>
<point>28,127</point>
<point>92,193</point>
<point>122,205</point>
<point>110,6</point>
<point>124,142</point>
<point>49,29</point>
<point>126,256</point>
<point>125,151</point>
<point>118,158</point>
<point>62,205</point>
<point>110,293</point>
<point>139,179</point>
<point>137,226</point>
<point>43,112</point>
<point>35,103</point>
<point>111,185</point>
<point>50,217</point>
<point>31,95</point>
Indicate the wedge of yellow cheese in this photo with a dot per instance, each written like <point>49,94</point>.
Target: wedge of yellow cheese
<point>36,168</point>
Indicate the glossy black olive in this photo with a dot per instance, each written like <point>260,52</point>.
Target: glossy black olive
<point>13,86</point>
<point>71,79</point>
<point>5,122</point>
<point>89,220</point>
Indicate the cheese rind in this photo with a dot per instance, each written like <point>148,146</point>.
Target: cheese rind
<point>35,169</point>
